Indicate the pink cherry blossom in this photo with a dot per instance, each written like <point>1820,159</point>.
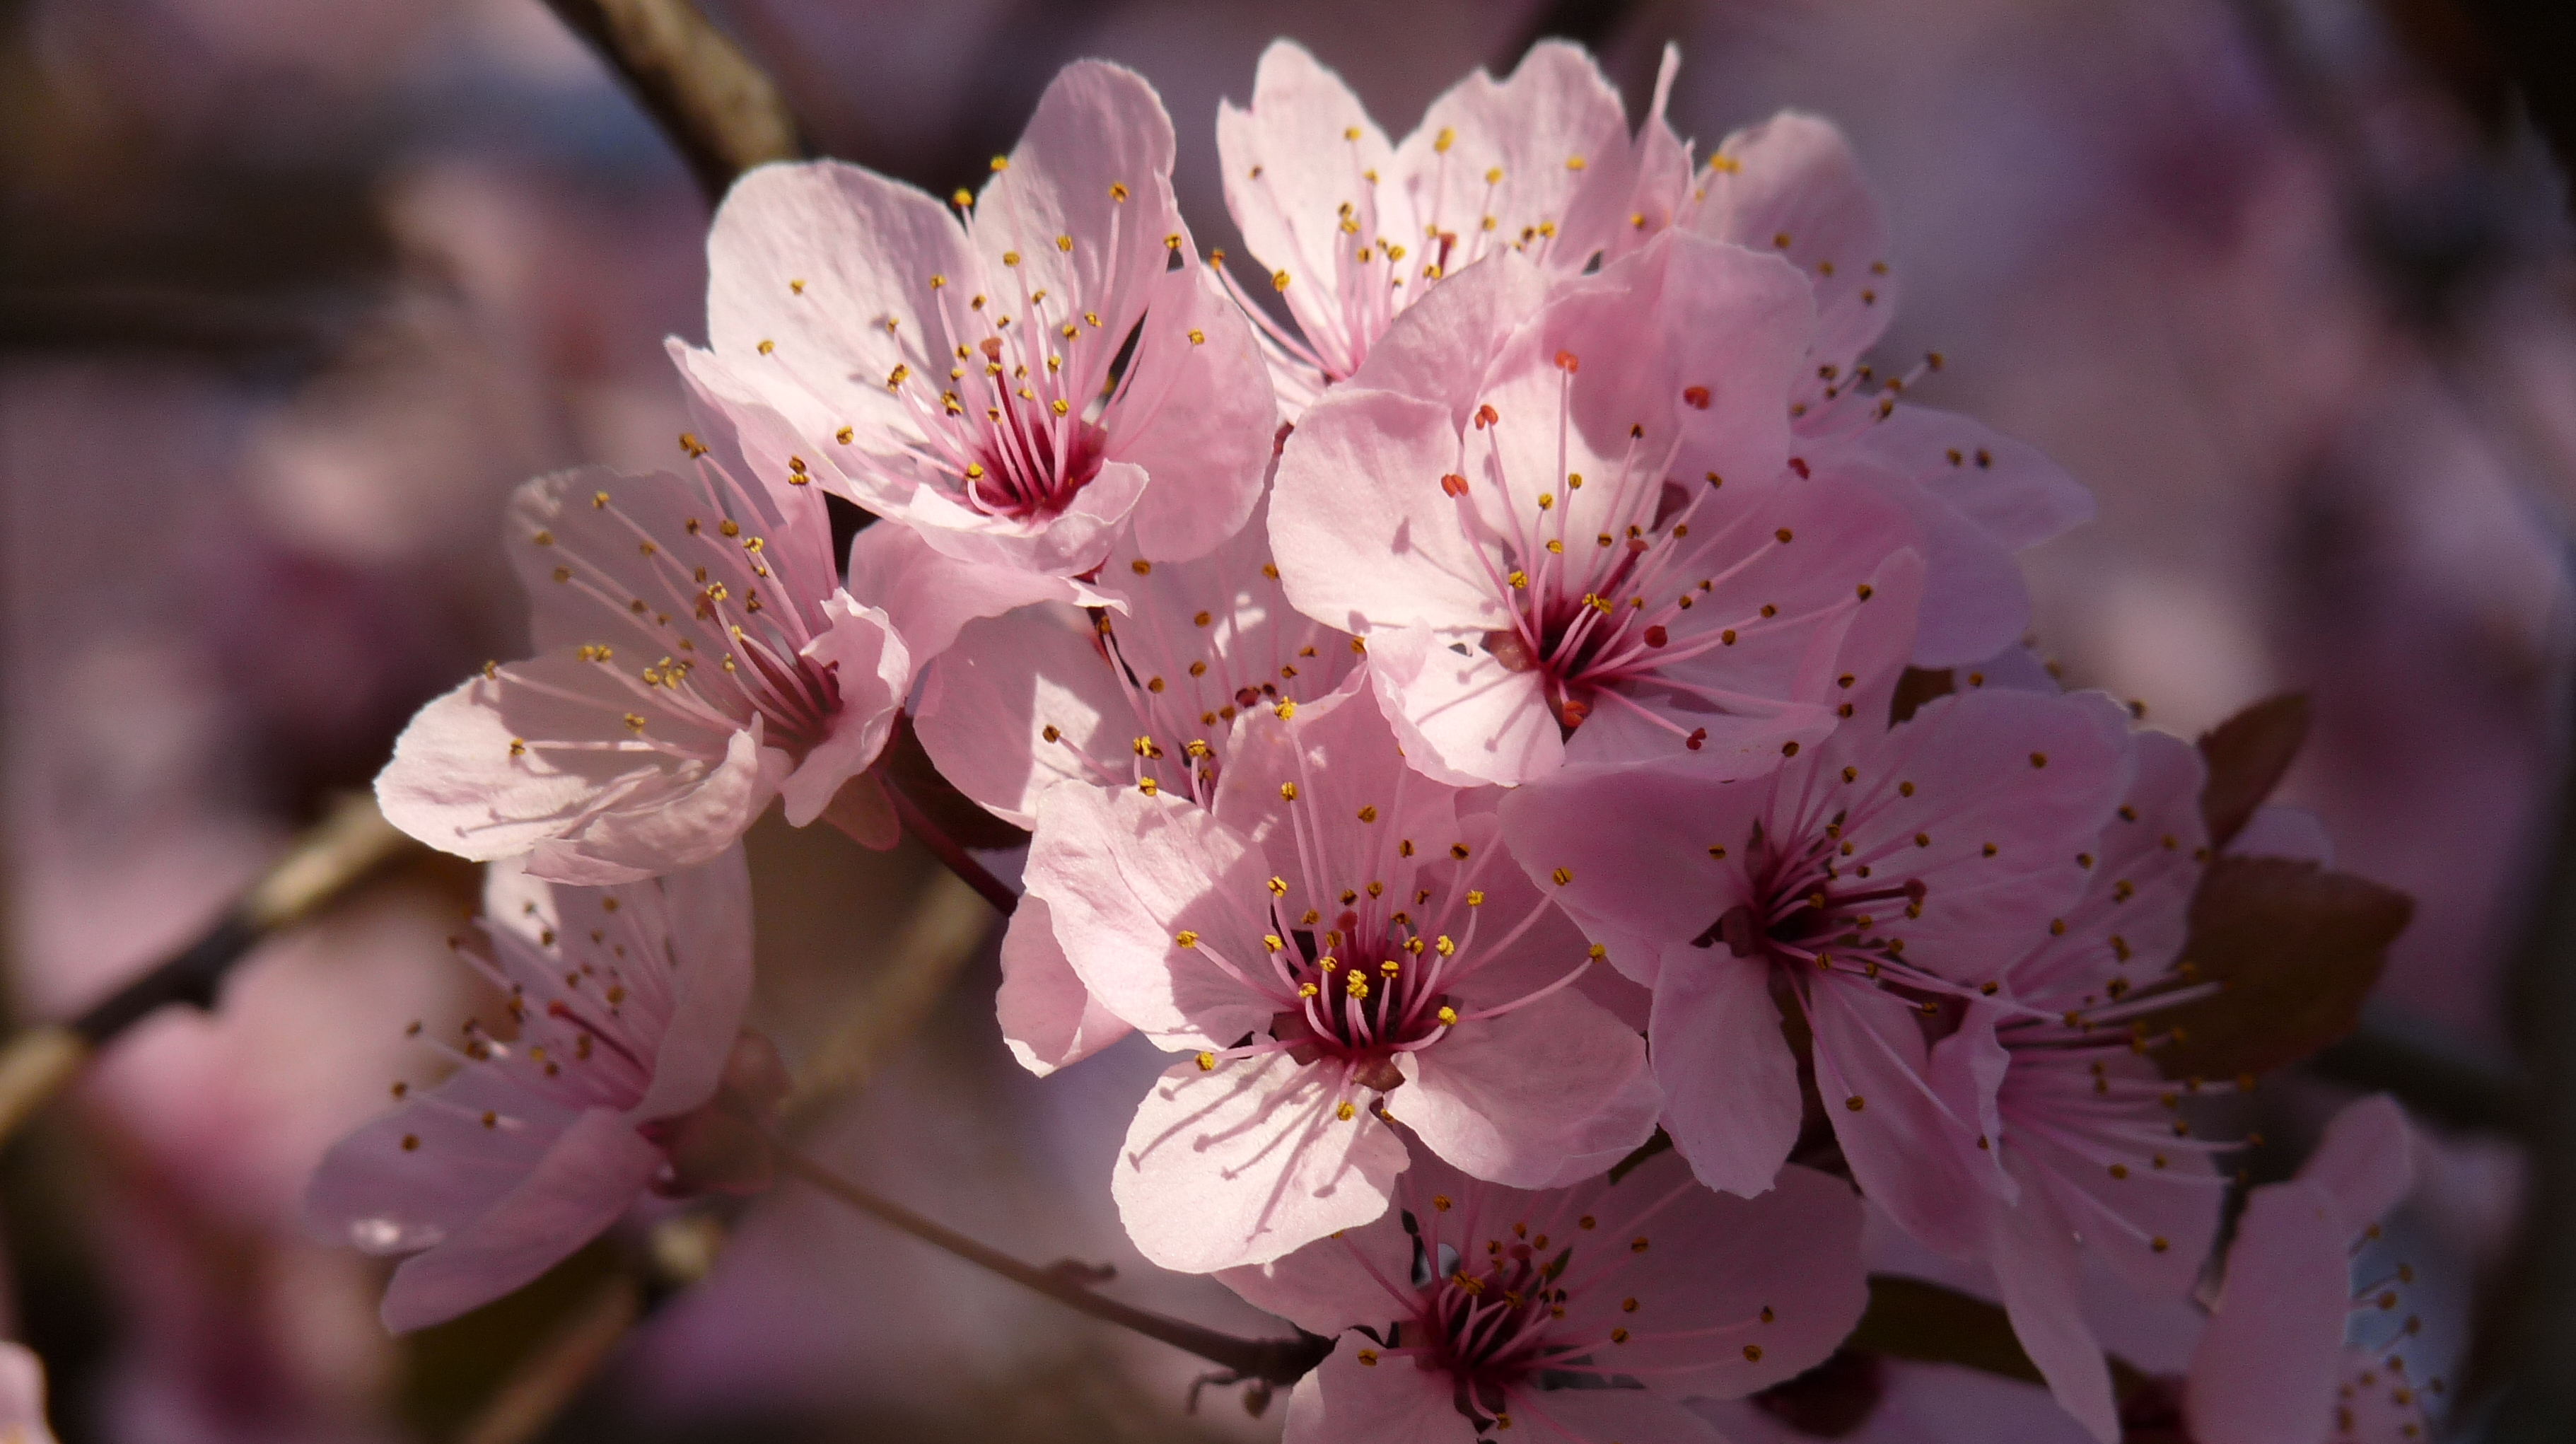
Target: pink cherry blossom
<point>627,1007</point>
<point>961,378</point>
<point>696,658</point>
<point>1353,229</point>
<point>1456,1310</point>
<point>1872,884</point>
<point>1047,695</point>
<point>1791,186</point>
<point>2294,1352</point>
<point>2086,1128</point>
<point>1564,524</point>
<point>22,1396</point>
<point>1338,941</point>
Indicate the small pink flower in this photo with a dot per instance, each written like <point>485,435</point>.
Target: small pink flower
<point>1047,696</point>
<point>2086,1128</point>
<point>2274,1364</point>
<point>627,1003</point>
<point>1337,941</point>
<point>697,657</point>
<point>1791,187</point>
<point>965,379</point>
<point>1354,229</point>
<point>1466,1309</point>
<point>1565,526</point>
<point>1873,882</point>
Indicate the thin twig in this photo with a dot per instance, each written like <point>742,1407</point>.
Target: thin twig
<point>536,1392</point>
<point>1272,1361</point>
<point>328,862</point>
<point>721,111</point>
<point>961,862</point>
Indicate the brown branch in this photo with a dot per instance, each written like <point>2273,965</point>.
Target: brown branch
<point>1270,1361</point>
<point>961,862</point>
<point>720,110</point>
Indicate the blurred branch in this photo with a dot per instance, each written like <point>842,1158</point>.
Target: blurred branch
<point>1265,1361</point>
<point>720,110</point>
<point>531,1398</point>
<point>329,861</point>
<point>945,927</point>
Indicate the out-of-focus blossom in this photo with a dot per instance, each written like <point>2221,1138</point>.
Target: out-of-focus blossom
<point>697,658</point>
<point>22,1396</point>
<point>1874,879</point>
<point>628,1005</point>
<point>1565,526</point>
<point>1319,940</point>
<point>967,380</point>
<point>1791,186</point>
<point>2275,1365</point>
<point>1353,229</point>
<point>1469,1309</point>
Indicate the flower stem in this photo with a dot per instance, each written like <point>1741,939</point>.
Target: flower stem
<point>1271,1361</point>
<point>961,862</point>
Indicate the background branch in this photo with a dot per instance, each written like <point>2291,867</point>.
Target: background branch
<point>722,112</point>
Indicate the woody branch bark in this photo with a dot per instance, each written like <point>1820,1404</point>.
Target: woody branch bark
<point>721,111</point>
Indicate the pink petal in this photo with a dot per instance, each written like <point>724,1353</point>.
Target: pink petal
<point>1286,186</point>
<point>988,704</point>
<point>1635,846</point>
<point>862,247</point>
<point>22,1396</point>
<point>594,816</point>
<point>1364,534</point>
<point>372,1193</point>
<point>2038,1264</point>
<point>1048,1018</point>
<point>1098,126</point>
<point>873,672</point>
<point>1975,602</point>
<point>1717,1264</point>
<point>2364,1161</point>
<point>1199,418</point>
<point>1908,1151</point>
<point>1464,319</point>
<point>2266,1367</point>
<point>1123,874</point>
<point>1730,1082</point>
<point>1791,186</point>
<point>1338,756</point>
<point>706,913</point>
<point>1555,131</point>
<point>1359,1276</point>
<point>1555,1091</point>
<point>1246,1162</point>
<point>2005,488</point>
<point>594,1171</point>
<point>1391,1401</point>
<point>928,595</point>
<point>1465,720</point>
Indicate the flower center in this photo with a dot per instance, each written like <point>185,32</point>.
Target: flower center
<point>1489,1328</point>
<point>1368,995</point>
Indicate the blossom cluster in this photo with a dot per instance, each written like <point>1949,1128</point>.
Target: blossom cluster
<point>1513,699</point>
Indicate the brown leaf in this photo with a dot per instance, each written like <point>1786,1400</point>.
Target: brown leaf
<point>2247,755</point>
<point>1916,687</point>
<point>908,767</point>
<point>2293,948</point>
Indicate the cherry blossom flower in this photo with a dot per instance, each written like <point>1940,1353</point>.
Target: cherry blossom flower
<point>697,657</point>
<point>1047,695</point>
<point>1565,526</point>
<point>1582,1314</point>
<point>1791,186</point>
<point>628,1070</point>
<point>1873,884</point>
<point>965,379</point>
<point>2294,1353</point>
<point>1353,229</point>
<point>1339,940</point>
<point>22,1396</point>
<point>2086,1127</point>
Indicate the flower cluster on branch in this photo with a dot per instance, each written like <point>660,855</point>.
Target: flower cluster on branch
<point>1513,700</point>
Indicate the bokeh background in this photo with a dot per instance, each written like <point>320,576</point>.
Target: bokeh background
<point>292,292</point>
